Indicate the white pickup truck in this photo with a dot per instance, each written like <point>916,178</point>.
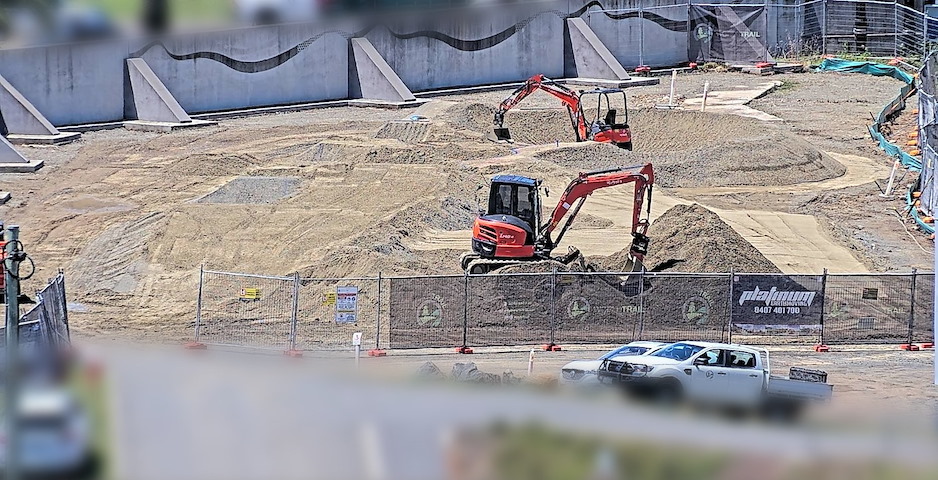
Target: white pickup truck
<point>718,374</point>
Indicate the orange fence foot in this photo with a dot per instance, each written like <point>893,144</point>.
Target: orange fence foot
<point>293,353</point>
<point>194,346</point>
<point>821,348</point>
<point>909,348</point>
<point>464,350</point>
<point>550,347</point>
<point>928,345</point>
<point>374,352</point>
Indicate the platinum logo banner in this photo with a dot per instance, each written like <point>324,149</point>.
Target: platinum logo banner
<point>792,301</point>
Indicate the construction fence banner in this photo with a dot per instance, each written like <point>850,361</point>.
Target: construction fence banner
<point>523,309</point>
<point>727,33</point>
<point>927,203</point>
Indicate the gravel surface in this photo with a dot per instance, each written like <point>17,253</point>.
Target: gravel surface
<point>253,190</point>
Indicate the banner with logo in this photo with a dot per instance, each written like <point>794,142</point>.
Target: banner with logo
<point>773,302</point>
<point>727,33</point>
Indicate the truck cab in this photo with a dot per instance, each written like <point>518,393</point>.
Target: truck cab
<point>712,373</point>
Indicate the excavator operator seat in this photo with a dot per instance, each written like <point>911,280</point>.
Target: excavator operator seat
<point>515,196</point>
<point>611,117</point>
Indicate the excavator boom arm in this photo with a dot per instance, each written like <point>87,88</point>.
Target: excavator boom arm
<point>568,97</point>
<point>586,183</point>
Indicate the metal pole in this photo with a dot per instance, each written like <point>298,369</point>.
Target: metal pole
<point>641,34</point>
<point>198,305</point>
<point>895,29</point>
<point>765,31</point>
<point>729,309</point>
<point>378,320</point>
<point>703,104</point>
<point>641,304</point>
<point>295,310</point>
<point>12,290</point>
<point>553,291</point>
<point>823,304</point>
<point>912,306</point>
<point>465,311</point>
<point>824,27</point>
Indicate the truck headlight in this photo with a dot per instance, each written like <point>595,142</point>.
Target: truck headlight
<point>642,369</point>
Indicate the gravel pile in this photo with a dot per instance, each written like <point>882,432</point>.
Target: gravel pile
<point>253,190</point>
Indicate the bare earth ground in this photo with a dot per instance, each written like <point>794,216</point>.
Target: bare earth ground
<point>341,192</point>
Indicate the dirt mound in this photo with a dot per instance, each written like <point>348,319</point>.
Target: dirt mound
<point>405,131</point>
<point>690,238</point>
<point>254,190</point>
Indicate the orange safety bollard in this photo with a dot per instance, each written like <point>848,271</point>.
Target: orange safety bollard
<point>912,143</point>
<point>913,134</point>
<point>821,348</point>
<point>915,152</point>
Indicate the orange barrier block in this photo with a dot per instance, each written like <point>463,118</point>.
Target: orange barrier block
<point>194,346</point>
<point>463,350</point>
<point>909,348</point>
<point>374,352</point>
<point>550,347</point>
<point>293,353</point>
<point>820,348</point>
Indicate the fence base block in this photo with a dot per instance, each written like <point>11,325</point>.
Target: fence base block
<point>194,346</point>
<point>293,353</point>
<point>374,352</point>
<point>909,348</point>
<point>464,350</point>
<point>928,345</point>
<point>820,348</point>
<point>550,347</point>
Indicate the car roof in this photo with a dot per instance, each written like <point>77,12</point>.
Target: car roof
<point>734,346</point>
<point>644,343</point>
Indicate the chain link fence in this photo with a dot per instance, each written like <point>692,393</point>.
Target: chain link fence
<point>556,308</point>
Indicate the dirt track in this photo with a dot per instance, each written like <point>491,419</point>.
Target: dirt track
<point>342,192</point>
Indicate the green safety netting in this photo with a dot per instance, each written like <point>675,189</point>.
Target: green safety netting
<point>891,108</point>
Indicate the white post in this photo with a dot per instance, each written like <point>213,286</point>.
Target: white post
<point>703,105</point>
<point>357,343</point>
<point>531,363</point>
<point>892,178</point>
<point>671,98</point>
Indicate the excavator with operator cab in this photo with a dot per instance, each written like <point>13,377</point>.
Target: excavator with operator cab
<point>604,127</point>
<point>511,231</point>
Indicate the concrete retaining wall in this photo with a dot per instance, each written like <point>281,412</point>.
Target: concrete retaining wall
<point>255,67</point>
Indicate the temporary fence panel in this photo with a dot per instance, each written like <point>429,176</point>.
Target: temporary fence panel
<point>684,307</point>
<point>860,26</point>
<point>330,311</point>
<point>867,308</point>
<point>245,310</point>
<point>923,324</point>
<point>777,308</point>
<point>427,312</point>
<point>507,309</point>
<point>727,33</point>
<point>928,138</point>
<point>596,308</point>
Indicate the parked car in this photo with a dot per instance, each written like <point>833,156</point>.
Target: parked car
<point>583,372</point>
<point>720,374</point>
<point>54,435</point>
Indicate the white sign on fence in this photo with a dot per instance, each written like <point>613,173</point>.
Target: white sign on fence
<point>346,304</point>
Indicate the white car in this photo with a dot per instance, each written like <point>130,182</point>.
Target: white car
<point>54,436</point>
<point>583,372</point>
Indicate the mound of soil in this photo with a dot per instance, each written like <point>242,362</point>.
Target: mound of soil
<point>690,238</point>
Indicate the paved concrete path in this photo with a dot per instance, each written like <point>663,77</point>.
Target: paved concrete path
<point>734,101</point>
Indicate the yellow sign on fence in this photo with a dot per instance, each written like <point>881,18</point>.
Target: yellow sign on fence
<point>250,294</point>
<point>328,299</point>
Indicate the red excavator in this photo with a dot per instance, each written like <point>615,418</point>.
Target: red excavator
<point>604,127</point>
<point>511,231</point>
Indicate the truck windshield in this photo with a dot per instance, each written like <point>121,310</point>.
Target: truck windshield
<point>678,351</point>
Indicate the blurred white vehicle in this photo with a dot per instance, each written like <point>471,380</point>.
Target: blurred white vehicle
<point>269,12</point>
<point>583,372</point>
<point>55,437</point>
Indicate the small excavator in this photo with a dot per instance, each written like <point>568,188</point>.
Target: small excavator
<point>605,127</point>
<point>511,232</point>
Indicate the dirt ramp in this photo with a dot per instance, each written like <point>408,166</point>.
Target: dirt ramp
<point>690,238</point>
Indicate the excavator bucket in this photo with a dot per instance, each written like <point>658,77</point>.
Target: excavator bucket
<point>502,134</point>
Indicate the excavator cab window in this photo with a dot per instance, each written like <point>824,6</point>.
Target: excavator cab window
<point>604,107</point>
<point>517,200</point>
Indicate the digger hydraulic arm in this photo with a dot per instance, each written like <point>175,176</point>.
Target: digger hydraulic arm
<point>586,183</point>
<point>568,97</point>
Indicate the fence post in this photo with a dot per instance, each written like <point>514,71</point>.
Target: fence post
<point>912,306</point>
<point>924,36</point>
<point>295,309</point>
<point>553,292</point>
<point>465,310</point>
<point>729,310</point>
<point>824,27</point>
<point>765,31</point>
<point>895,30</point>
<point>198,305</point>
<point>641,304</point>
<point>378,320</point>
<point>823,304</point>
<point>641,33</point>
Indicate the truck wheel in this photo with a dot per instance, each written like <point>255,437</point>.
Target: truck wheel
<point>669,392</point>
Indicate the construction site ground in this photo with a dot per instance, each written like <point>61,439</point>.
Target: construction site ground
<point>345,192</point>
